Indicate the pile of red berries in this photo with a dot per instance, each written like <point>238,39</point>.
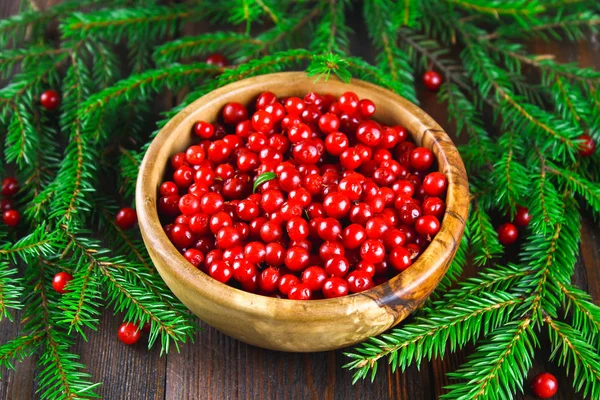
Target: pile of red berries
<point>302,198</point>
<point>10,216</point>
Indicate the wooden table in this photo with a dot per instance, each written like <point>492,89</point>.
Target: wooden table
<point>218,367</point>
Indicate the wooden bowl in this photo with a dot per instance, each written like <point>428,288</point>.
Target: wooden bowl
<point>293,325</point>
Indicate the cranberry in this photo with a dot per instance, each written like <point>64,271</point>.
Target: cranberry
<point>353,236</point>
<point>129,333</point>
<point>271,232</point>
<point>274,254</point>
<point>434,206</point>
<point>336,205</point>
<point>314,277</point>
<point>359,281</point>
<point>61,280</point>
<point>194,256</point>
<point>297,228</point>
<point>182,236</point>
<point>507,233</point>
<point>126,218</point>
<point>204,129</point>
<point>337,266</point>
<point>435,184</point>
<point>300,291</point>
<point>427,225</point>
<point>366,108</point>
<point>10,186</point>
<point>348,103</point>
<point>335,287</point>
<point>522,217</point>
<point>217,59</point>
<point>544,385</point>
<point>287,282</point>
<point>370,133</point>
<point>400,258</point>
<point>421,158</point>
<point>220,271</point>
<point>297,259</point>
<point>432,80</point>
<point>11,217</point>
<point>234,113</point>
<point>50,99</point>
<point>372,251</point>
<point>268,280</point>
<point>587,145</point>
<point>265,99</point>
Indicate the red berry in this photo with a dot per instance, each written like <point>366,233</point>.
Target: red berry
<point>297,259</point>
<point>353,236</point>
<point>507,233</point>
<point>336,205</point>
<point>522,217</point>
<point>427,225</point>
<point>370,133</point>
<point>348,103</point>
<point>297,228</point>
<point>376,228</point>
<point>432,80</point>
<point>359,281</point>
<point>10,186</point>
<point>300,291</point>
<point>228,237</point>
<point>50,99</point>
<point>434,206</point>
<point>126,218</point>
<point>421,158</point>
<point>587,145</point>
<point>314,277</point>
<point>129,333</point>
<point>372,251</point>
<point>366,108</point>
<point>435,184</point>
<point>194,256</point>
<point>204,129</point>
<point>286,282</point>
<point>262,121</point>
<point>400,258</point>
<point>294,105</point>
<point>217,59</point>
<point>234,113</point>
<point>337,266</point>
<point>220,271</point>
<point>169,205</point>
<point>329,123</point>
<point>268,280</point>
<point>6,204</point>
<point>335,287</point>
<point>182,236</point>
<point>265,99</point>
<point>11,217</point>
<point>60,280</point>
<point>544,385</point>
<point>212,203</point>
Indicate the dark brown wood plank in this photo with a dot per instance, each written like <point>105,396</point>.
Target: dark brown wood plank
<point>16,384</point>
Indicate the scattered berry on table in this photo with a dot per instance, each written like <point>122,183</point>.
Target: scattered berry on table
<point>507,233</point>
<point>217,59</point>
<point>544,385</point>
<point>10,186</point>
<point>432,80</point>
<point>126,218</point>
<point>587,146</point>
<point>11,217</point>
<point>129,333</point>
<point>50,99</point>
<point>60,280</point>
<point>522,217</point>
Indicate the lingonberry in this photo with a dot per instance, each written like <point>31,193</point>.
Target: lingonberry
<point>366,108</point>
<point>336,205</point>
<point>507,233</point>
<point>359,281</point>
<point>268,280</point>
<point>435,184</point>
<point>168,188</point>
<point>300,291</point>
<point>329,249</point>
<point>400,258</point>
<point>353,236</point>
<point>182,236</point>
<point>6,204</point>
<point>10,186</point>
<point>297,228</point>
<point>366,267</point>
<point>247,210</point>
<point>393,238</point>
<point>348,103</point>
<point>314,277</point>
<point>329,229</point>
<point>421,158</point>
<point>337,266</point>
<point>169,205</point>
<point>432,80</point>
<point>194,256</point>
<point>369,133</point>
<point>129,333</point>
<point>427,225</point>
<point>286,282</point>
<point>271,232</point>
<point>126,218</point>
<point>587,145</point>
<point>11,217</point>
<point>204,129</point>
<point>217,59</point>
<point>544,385</point>
<point>297,259</point>
<point>522,216</point>
<point>372,251</point>
<point>434,206</point>
<point>220,271</point>
<point>335,287</point>
<point>376,228</point>
<point>265,99</point>
<point>228,237</point>
<point>274,254</point>
<point>60,280</point>
<point>50,99</point>
<point>219,220</point>
<point>234,113</point>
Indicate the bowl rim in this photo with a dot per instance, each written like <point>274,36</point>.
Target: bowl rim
<point>457,203</point>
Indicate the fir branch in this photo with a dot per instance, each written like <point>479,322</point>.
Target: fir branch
<point>11,58</point>
<point>11,291</point>
<point>509,173</point>
<point>456,267</point>
<point>484,239</point>
<point>577,355</point>
<point>331,33</point>
<point>18,349</point>
<point>548,209</point>
<point>585,314</point>
<point>129,165</point>
<point>408,13</point>
<point>548,27</point>
<point>41,242</point>
<point>236,45</point>
<point>428,336</point>
<point>498,367</point>
<point>132,23</point>
<point>589,191</point>
<point>515,8</point>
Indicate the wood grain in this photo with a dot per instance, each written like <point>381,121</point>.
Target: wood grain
<point>218,367</point>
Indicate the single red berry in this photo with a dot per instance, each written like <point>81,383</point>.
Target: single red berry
<point>11,217</point>
<point>314,277</point>
<point>50,99</point>
<point>10,186</point>
<point>400,258</point>
<point>329,123</point>
<point>204,129</point>
<point>129,333</point>
<point>6,204</point>
<point>522,217</point>
<point>507,233</point>
<point>234,113</point>
<point>337,266</point>
<point>359,281</point>
<point>217,59</point>
<point>264,99</point>
<point>421,158</point>
<point>348,102</point>
<point>335,287</point>
<point>297,228</point>
<point>271,232</point>
<point>432,80</point>
<point>587,145</point>
<point>182,236</point>
<point>376,228</point>
<point>297,259</point>
<point>221,271</point>
<point>126,218</point>
<point>60,280</point>
<point>169,205</point>
<point>434,206</point>
<point>366,108</point>
<point>369,133</point>
<point>195,155</point>
<point>300,291</point>
<point>336,205</point>
<point>544,385</point>
<point>228,237</point>
<point>435,184</point>
<point>268,280</point>
<point>427,225</point>
<point>372,251</point>
<point>353,236</point>
<point>295,105</point>
<point>194,256</point>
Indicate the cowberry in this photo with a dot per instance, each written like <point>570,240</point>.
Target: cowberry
<point>217,59</point>
<point>507,233</point>
<point>522,217</point>
<point>544,385</point>
<point>587,145</point>
<point>129,333</point>
<point>50,99</point>
<point>335,287</point>
<point>60,280</point>
<point>11,217</point>
<point>126,217</point>
<point>10,187</point>
<point>432,80</point>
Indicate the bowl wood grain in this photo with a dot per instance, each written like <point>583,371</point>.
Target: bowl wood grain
<point>315,325</point>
